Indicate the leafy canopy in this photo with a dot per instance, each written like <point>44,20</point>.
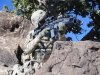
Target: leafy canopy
<point>83,8</point>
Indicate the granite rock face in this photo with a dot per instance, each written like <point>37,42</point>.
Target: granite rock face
<point>13,31</point>
<point>73,58</point>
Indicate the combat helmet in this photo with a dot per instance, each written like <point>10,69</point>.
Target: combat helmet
<point>37,16</point>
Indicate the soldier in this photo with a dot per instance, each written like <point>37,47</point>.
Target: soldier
<point>39,48</point>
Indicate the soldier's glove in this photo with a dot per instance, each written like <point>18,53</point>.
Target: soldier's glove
<point>44,32</point>
<point>61,27</point>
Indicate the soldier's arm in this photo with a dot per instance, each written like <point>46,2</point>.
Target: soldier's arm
<point>32,44</point>
<point>29,37</point>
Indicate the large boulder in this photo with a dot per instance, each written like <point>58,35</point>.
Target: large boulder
<point>13,31</point>
<point>73,58</point>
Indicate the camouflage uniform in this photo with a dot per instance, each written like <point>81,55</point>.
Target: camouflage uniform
<point>43,41</point>
<point>40,47</point>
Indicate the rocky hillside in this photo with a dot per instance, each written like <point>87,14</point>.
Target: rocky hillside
<point>67,58</point>
<point>13,31</point>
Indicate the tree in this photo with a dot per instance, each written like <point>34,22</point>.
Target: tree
<point>5,8</point>
<point>24,8</point>
<point>83,8</point>
<point>54,7</point>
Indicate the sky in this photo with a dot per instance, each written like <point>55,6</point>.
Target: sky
<point>77,37</point>
<point>7,3</point>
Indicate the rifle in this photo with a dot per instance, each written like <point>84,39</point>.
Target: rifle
<point>53,24</point>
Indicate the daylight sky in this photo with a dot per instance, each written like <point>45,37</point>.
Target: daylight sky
<point>7,3</point>
<point>74,37</point>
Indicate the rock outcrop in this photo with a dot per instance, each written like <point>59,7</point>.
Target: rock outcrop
<point>73,58</point>
<point>13,31</point>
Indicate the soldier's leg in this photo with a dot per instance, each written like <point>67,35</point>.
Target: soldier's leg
<point>38,60</point>
<point>18,70</point>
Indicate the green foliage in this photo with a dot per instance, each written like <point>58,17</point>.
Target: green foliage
<point>54,7</point>
<point>83,8</point>
<point>5,8</point>
<point>24,8</point>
